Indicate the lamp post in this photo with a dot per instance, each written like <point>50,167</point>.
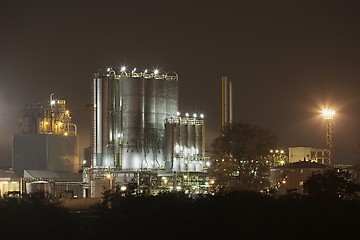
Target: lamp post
<point>329,116</point>
<point>110,177</point>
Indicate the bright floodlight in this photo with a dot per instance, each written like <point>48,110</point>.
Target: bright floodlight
<point>156,71</point>
<point>123,68</point>
<point>328,113</point>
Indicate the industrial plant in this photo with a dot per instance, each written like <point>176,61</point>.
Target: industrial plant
<point>140,140</point>
<point>45,153</point>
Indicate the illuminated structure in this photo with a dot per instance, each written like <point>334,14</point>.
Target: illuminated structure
<point>311,154</point>
<point>185,143</point>
<point>10,184</point>
<point>138,136</point>
<point>329,116</point>
<point>291,176</point>
<point>46,139</point>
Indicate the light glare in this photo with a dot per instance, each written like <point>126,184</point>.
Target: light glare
<point>328,113</point>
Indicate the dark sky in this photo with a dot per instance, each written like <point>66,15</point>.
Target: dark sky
<point>285,59</point>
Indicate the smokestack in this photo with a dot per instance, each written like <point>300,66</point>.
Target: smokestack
<point>226,101</point>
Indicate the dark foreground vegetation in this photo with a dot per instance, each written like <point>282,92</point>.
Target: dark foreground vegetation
<point>235,215</point>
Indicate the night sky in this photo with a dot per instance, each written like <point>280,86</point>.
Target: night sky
<point>286,60</point>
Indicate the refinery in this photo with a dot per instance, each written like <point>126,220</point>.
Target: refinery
<point>139,136</point>
<point>140,142</point>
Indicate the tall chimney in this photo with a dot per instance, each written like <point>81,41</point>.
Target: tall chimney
<point>226,102</point>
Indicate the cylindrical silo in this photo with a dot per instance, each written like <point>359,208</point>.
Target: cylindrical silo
<point>129,119</point>
<point>191,139</point>
<point>199,140</point>
<point>169,151</point>
<point>150,128</point>
<point>117,123</point>
<point>172,95</point>
<point>102,103</point>
<point>133,122</point>
<point>98,85</point>
<point>161,115</point>
<point>112,138</point>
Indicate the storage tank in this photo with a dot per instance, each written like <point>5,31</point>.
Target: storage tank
<point>130,109</point>
<point>185,147</point>
<point>102,99</point>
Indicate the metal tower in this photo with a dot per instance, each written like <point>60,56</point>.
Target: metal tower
<point>329,116</point>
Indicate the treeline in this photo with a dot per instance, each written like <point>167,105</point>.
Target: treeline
<point>239,215</point>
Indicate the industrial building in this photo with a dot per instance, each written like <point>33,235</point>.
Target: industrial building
<point>10,184</point>
<point>139,138</point>
<point>59,184</point>
<point>46,141</point>
<point>313,154</point>
<point>291,176</point>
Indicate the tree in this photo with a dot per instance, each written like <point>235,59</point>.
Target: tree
<point>240,156</point>
<point>331,184</point>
